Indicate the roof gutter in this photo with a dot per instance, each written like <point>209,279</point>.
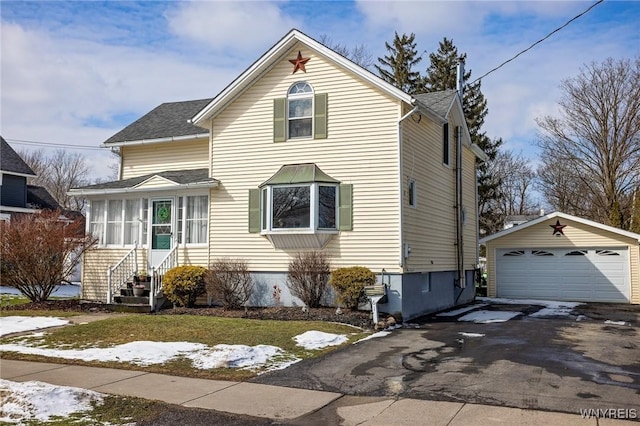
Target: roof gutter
<point>195,185</point>
<point>400,181</point>
<point>156,140</point>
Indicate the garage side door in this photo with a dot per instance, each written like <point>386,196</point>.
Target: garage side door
<point>564,274</point>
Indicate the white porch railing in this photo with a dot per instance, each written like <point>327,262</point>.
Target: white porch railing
<point>118,275</point>
<point>157,273</point>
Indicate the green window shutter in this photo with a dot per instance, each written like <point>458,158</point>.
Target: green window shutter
<point>345,206</point>
<point>254,210</point>
<point>320,116</point>
<point>279,120</point>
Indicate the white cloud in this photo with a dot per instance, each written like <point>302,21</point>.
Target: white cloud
<point>222,25</point>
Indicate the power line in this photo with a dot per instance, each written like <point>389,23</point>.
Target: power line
<point>539,41</point>
<point>52,144</point>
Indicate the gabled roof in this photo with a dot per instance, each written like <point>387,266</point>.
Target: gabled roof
<point>182,178</point>
<point>11,162</point>
<point>442,102</point>
<point>169,121</point>
<point>275,55</point>
<point>562,216</point>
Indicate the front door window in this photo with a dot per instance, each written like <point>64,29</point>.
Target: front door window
<point>161,229</point>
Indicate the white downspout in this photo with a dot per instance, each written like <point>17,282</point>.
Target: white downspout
<point>401,186</point>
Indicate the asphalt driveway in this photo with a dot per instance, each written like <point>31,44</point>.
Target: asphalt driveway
<point>589,359</point>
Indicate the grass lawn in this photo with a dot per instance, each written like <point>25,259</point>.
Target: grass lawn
<point>7,300</point>
<point>184,328</point>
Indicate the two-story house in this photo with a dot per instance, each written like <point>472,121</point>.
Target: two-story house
<point>304,150</point>
<point>16,195</point>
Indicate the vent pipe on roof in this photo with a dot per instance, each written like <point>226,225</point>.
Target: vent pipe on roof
<point>460,78</point>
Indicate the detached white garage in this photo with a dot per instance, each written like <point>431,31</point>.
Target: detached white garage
<point>563,257</point>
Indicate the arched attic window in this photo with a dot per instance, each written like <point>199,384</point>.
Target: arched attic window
<point>301,115</point>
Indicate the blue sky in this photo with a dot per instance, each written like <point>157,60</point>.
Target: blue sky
<point>77,72</point>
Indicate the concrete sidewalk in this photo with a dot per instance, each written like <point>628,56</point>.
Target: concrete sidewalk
<point>282,403</point>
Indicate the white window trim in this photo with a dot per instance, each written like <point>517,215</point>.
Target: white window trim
<point>295,96</point>
<point>142,242</point>
<point>267,228</point>
<point>183,225</point>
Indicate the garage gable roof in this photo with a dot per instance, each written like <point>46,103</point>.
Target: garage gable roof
<point>563,216</point>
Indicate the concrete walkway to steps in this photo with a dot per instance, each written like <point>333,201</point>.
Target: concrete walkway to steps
<point>282,403</point>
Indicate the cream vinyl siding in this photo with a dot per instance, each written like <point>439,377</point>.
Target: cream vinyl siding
<point>139,160</point>
<point>156,182</point>
<point>361,149</point>
<point>429,229</point>
<point>576,235</point>
<point>95,265</point>
<point>470,204</point>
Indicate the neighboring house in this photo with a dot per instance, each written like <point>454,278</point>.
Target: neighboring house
<point>304,150</point>
<point>16,196</point>
<point>564,257</point>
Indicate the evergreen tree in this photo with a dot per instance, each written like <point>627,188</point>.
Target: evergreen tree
<point>442,75</point>
<point>397,67</point>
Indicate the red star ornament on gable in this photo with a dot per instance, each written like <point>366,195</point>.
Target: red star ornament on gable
<point>298,63</point>
<point>557,228</point>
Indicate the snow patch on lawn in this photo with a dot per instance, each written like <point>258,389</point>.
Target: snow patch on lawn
<point>18,324</point>
<point>318,340</point>
<point>485,317</point>
<point>36,400</point>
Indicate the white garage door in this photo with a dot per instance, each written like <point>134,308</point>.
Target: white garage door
<point>590,275</point>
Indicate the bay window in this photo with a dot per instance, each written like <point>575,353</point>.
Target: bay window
<point>299,207</point>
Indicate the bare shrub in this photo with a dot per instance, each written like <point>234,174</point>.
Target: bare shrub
<point>39,251</point>
<point>229,282</point>
<point>308,277</point>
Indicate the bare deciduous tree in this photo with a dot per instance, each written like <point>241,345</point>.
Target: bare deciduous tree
<point>58,173</point>
<point>40,251</point>
<point>597,138</point>
<point>517,179</point>
<point>358,54</point>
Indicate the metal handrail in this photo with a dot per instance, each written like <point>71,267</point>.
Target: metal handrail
<point>121,272</point>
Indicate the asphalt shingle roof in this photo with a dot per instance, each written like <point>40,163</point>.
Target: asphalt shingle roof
<point>39,197</point>
<point>439,102</point>
<point>11,162</point>
<point>167,120</point>
<point>181,177</point>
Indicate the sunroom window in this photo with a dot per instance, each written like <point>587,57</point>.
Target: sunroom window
<point>123,222</point>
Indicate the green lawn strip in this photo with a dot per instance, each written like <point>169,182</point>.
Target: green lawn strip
<point>12,300</point>
<point>185,328</point>
<point>43,313</point>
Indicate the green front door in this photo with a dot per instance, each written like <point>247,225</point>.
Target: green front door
<point>161,229</point>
